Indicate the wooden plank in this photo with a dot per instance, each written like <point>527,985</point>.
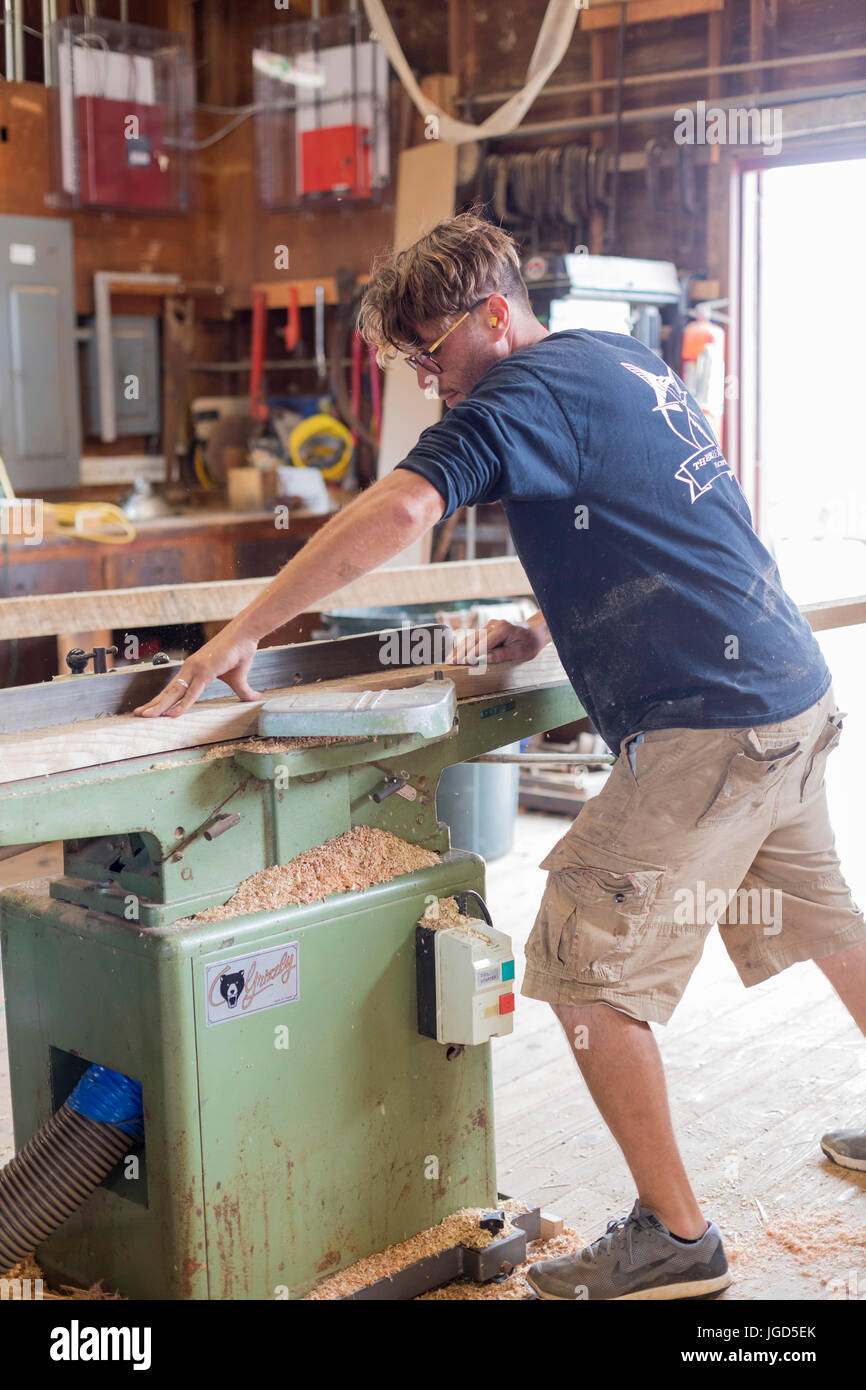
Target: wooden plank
<point>644,11</point>
<point>50,703</point>
<point>704,289</point>
<point>714,60</point>
<point>846,612</point>
<point>756,39</point>
<point>551,1225</point>
<point>595,232</point>
<point>276,292</point>
<point>178,336</point>
<point>137,287</point>
<point>426,182</point>
<point>95,742</point>
<point>31,861</point>
<point>441,88</point>
<point>44,615</point>
<point>462,45</point>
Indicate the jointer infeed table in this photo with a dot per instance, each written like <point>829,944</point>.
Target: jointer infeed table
<point>290,1138</point>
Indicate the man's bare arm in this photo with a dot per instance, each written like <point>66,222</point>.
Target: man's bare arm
<point>379,524</point>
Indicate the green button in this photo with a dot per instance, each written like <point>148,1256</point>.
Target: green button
<point>508,970</point>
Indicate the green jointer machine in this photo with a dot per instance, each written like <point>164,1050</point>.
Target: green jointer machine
<point>240,1108</point>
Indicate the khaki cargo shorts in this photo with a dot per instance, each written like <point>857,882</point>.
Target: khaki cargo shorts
<point>695,827</point>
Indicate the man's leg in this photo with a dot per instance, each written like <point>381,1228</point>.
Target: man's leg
<point>846,971</point>
<point>622,1067</point>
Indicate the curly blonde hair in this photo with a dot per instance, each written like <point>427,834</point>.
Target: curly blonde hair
<point>456,264</point>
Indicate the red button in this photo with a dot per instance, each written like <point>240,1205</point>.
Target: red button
<point>506,1003</point>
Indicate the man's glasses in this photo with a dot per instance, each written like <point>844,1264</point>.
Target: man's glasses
<point>424,357</point>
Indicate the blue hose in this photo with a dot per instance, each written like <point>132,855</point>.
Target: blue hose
<point>111,1097</point>
<point>67,1159</point>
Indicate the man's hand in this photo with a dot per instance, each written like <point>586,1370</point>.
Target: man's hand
<point>224,656</point>
<point>499,641</point>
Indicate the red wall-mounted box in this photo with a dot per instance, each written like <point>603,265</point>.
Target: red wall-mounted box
<point>114,171</point>
<point>336,159</point>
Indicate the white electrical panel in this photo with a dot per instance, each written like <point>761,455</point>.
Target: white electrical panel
<point>465,982</point>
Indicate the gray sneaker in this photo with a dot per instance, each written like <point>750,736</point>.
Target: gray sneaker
<point>637,1257</point>
<point>846,1146</point>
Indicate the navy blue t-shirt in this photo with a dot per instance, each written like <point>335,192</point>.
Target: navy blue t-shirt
<point>665,608</point>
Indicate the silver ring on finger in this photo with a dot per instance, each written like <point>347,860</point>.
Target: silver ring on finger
<point>185,684</point>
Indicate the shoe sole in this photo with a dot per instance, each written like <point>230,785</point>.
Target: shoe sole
<point>698,1288</point>
<point>858,1164</point>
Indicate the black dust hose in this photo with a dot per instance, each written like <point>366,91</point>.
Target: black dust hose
<point>67,1160</point>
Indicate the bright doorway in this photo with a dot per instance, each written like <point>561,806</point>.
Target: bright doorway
<point>804,372</point>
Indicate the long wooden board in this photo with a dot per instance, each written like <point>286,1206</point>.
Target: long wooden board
<point>595,16</point>
<point>426,181</point>
<point>95,742</point>
<point>845,612</point>
<point>44,615</point>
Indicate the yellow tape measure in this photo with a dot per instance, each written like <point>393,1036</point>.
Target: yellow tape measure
<point>324,443</point>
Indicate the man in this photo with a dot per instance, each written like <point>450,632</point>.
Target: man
<point>671,621</point>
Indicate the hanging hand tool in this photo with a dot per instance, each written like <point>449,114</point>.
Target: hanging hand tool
<point>292,330</point>
<point>258,408</point>
<point>321,359</point>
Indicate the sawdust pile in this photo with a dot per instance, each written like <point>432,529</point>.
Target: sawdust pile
<point>68,1293</point>
<point>445,913</point>
<point>273,745</point>
<point>461,1228</point>
<point>350,863</point>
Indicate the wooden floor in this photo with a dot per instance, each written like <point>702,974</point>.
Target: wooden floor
<point>755,1077</point>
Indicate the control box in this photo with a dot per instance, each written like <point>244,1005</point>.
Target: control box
<point>465,974</point>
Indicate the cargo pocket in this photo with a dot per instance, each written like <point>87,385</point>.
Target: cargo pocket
<point>813,775</point>
<point>749,777</point>
<point>610,897</point>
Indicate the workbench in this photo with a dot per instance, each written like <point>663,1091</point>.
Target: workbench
<point>195,546</point>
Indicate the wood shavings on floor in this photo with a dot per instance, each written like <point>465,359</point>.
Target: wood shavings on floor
<point>68,1293</point>
<point>444,914</point>
<point>358,859</point>
<point>822,1244</point>
<point>461,1228</point>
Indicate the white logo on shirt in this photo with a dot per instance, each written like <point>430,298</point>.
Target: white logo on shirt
<point>690,426</point>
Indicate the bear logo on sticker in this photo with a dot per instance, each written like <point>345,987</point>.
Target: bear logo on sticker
<point>235,989</point>
<point>231,988</point>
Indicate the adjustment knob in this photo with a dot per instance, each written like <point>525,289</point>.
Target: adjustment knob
<point>77,660</point>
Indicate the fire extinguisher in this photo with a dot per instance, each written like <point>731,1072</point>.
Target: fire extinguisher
<point>703,362</point>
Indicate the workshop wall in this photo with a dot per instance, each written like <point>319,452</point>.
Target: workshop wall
<point>495,42</point>
<point>488,47</point>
